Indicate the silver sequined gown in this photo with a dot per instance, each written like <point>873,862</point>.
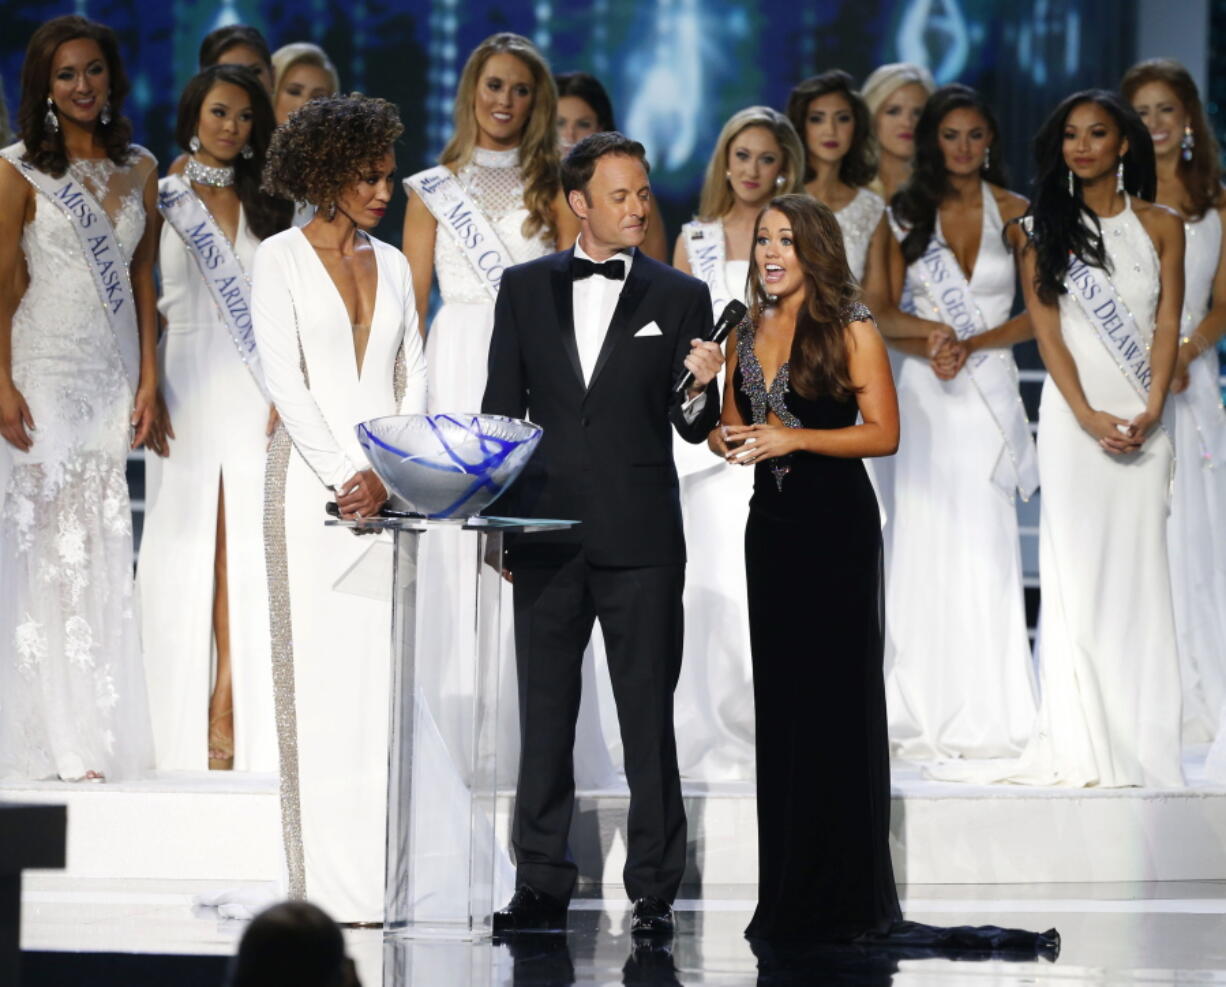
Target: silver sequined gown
<point>72,689</point>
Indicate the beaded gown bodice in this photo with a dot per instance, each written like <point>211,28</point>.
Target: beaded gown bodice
<point>858,220</point>
<point>494,181</point>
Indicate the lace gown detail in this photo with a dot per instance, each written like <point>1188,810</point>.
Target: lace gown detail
<point>858,220</point>
<point>72,690</point>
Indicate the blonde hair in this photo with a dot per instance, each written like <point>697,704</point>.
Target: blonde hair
<point>301,53</point>
<point>539,161</point>
<point>717,197</point>
<point>885,80</point>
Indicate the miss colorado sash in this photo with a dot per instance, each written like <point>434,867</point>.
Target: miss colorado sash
<point>705,249</point>
<point>453,207</point>
<point>219,265</point>
<point>993,372</point>
<point>100,249</point>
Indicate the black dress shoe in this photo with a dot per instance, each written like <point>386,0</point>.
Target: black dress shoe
<point>652,917</point>
<point>530,910</point>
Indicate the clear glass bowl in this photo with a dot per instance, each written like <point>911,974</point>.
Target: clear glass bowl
<point>448,466</point>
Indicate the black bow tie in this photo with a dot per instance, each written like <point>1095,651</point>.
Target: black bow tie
<point>614,270</point>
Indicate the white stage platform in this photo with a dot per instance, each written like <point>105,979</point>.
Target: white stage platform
<point>217,826</point>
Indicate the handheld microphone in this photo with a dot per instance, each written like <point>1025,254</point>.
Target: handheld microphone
<point>728,320</point>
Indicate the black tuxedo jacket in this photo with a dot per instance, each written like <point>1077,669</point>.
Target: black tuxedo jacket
<point>605,458</point>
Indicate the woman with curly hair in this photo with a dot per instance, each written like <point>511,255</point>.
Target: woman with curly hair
<point>495,199</point>
<point>1190,182</point>
<point>336,329</point>
<point>201,571</point>
<point>78,389</point>
<point>961,682</point>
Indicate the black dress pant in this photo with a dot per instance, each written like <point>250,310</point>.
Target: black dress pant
<point>641,616</point>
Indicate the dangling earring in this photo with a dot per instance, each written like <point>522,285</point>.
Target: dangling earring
<point>987,158</point>
<point>248,152</point>
<point>1119,176</point>
<point>193,145</point>
<point>104,117</point>
<point>1072,190</point>
<point>51,121</point>
<point>330,212</point>
<point>1187,142</point>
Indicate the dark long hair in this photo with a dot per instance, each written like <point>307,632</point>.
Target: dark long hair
<point>818,360</point>
<point>45,148</point>
<point>859,164</point>
<point>1058,226</point>
<point>916,204</point>
<point>1201,176</point>
<point>217,43</point>
<point>588,88</point>
<point>266,215</point>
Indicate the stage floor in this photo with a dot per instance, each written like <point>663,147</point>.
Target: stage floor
<point>1156,933</point>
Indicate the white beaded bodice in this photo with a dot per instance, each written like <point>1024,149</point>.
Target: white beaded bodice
<point>493,180</point>
<point>858,220</point>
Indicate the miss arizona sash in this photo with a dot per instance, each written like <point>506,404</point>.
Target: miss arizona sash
<point>219,265</point>
<point>993,372</point>
<point>705,249</point>
<point>100,249</point>
<point>453,207</point>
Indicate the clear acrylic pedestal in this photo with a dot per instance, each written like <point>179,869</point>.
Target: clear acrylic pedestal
<point>442,794</point>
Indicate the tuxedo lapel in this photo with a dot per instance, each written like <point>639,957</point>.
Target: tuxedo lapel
<point>619,326</point>
<point>564,304</point>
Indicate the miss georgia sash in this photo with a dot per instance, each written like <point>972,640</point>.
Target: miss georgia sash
<point>219,266</point>
<point>450,204</point>
<point>993,372</point>
<point>100,249</point>
<point>705,248</point>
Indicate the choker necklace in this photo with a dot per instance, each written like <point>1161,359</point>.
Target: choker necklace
<point>203,174</point>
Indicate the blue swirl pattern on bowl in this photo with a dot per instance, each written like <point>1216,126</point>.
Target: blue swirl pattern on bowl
<point>448,465</point>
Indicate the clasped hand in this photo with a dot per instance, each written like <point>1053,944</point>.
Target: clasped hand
<point>749,444</point>
<point>946,353</point>
<point>1117,436</point>
<point>361,495</point>
<point>703,361</point>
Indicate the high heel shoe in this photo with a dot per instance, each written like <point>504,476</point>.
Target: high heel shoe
<point>221,747</point>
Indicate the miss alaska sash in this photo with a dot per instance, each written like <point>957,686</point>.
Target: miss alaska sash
<point>100,249</point>
<point>993,372</point>
<point>705,249</point>
<point>450,204</point>
<point>219,265</point>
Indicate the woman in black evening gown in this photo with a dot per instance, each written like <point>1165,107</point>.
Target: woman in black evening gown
<point>806,361</point>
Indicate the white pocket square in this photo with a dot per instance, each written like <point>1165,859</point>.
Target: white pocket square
<point>651,329</point>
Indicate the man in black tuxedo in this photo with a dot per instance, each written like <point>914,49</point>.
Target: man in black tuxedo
<point>589,343</point>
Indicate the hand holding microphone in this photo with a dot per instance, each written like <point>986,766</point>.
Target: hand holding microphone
<point>705,357</point>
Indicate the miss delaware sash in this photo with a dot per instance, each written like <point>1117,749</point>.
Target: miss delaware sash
<point>705,249</point>
<point>100,249</point>
<point>993,372</point>
<point>219,266</point>
<point>450,204</point>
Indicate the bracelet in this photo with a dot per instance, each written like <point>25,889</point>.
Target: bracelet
<point>1197,341</point>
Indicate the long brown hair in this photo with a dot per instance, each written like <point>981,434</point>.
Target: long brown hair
<point>539,161</point>
<point>45,148</point>
<point>818,361</point>
<point>1202,176</point>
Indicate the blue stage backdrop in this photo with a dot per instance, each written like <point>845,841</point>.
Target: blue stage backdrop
<point>676,69</point>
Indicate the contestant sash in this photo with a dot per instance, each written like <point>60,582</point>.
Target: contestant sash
<point>705,248</point>
<point>101,251</point>
<point>453,207</point>
<point>219,266</point>
<point>993,372</point>
<point>1113,322</point>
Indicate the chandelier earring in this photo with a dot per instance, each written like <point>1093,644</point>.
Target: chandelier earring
<point>1187,142</point>
<point>51,121</point>
<point>1119,176</point>
<point>193,145</point>
<point>104,117</point>
<point>248,152</point>
<point>987,158</point>
<point>1072,188</point>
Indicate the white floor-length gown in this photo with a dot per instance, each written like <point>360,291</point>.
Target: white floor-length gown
<point>330,640</point>
<point>72,689</point>
<point>1109,714</point>
<point>960,681</point>
<point>1196,530</point>
<point>220,419</point>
